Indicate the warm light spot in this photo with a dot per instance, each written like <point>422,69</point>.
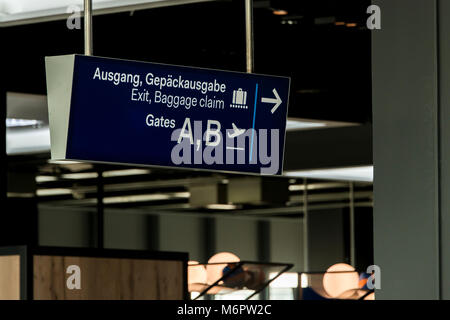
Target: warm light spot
<point>351,25</point>
<point>339,23</point>
<point>340,278</point>
<point>280,12</point>
<point>370,296</point>
<point>196,272</point>
<point>304,282</point>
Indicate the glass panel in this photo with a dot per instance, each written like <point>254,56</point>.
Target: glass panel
<point>346,285</point>
<point>239,280</point>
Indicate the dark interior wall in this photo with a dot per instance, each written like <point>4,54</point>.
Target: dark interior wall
<point>326,239</point>
<point>286,242</point>
<point>183,232</point>
<point>329,238</point>
<point>66,228</point>
<point>363,238</point>
<point>407,103</point>
<point>328,148</point>
<point>328,235</point>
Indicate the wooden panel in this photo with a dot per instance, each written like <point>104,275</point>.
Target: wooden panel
<point>108,279</point>
<point>10,277</point>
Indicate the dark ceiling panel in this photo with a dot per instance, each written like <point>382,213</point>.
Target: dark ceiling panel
<point>205,35</point>
<point>330,65</point>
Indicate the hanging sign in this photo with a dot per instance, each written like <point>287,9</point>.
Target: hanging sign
<point>138,113</point>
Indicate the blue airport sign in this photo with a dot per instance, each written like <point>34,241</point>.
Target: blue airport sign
<point>138,113</point>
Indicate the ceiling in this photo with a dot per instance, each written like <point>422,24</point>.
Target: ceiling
<point>322,46</point>
<point>155,190</point>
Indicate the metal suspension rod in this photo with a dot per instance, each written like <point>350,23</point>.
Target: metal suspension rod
<point>305,227</point>
<point>249,35</point>
<point>88,44</point>
<point>100,216</point>
<point>352,225</point>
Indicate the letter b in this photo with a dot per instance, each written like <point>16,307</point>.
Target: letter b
<point>213,132</point>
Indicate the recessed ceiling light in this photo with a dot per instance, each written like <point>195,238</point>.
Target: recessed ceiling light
<point>65,162</point>
<point>308,124</point>
<point>42,179</point>
<point>125,172</point>
<point>292,125</point>
<point>146,197</point>
<point>80,175</point>
<point>15,123</point>
<point>361,174</point>
<point>222,206</point>
<point>279,12</point>
<point>53,192</point>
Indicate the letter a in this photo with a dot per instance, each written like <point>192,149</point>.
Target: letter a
<point>187,123</point>
<point>74,281</point>
<point>374,21</point>
<point>374,281</point>
<point>97,74</point>
<point>74,20</point>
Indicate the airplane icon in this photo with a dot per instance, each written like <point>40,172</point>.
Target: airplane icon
<point>237,132</point>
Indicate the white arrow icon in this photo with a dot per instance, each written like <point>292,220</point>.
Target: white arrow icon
<point>277,101</point>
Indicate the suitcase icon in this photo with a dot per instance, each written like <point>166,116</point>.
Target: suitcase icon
<point>240,97</point>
